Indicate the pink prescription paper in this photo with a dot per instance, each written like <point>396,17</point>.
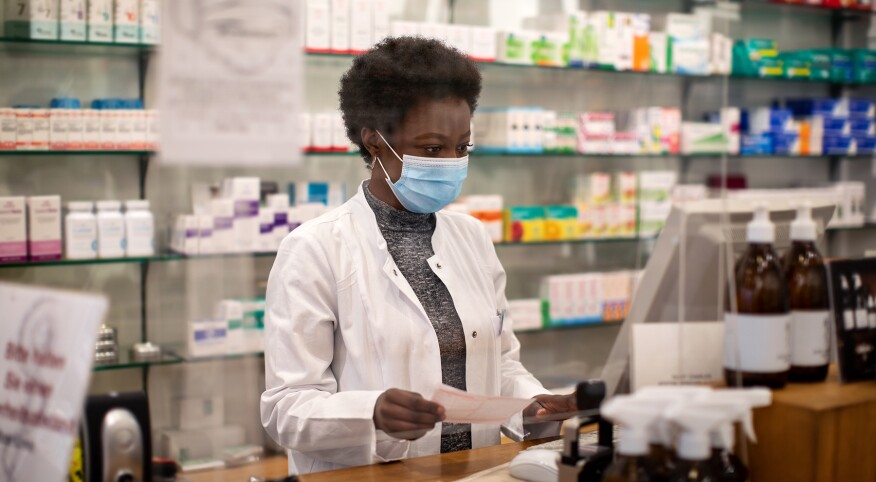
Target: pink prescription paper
<point>464,407</point>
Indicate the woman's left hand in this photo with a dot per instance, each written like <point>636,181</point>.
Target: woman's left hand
<point>551,407</point>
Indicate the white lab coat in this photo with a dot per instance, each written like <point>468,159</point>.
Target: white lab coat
<point>342,325</point>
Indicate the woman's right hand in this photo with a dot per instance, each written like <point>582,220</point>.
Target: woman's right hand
<point>406,415</point>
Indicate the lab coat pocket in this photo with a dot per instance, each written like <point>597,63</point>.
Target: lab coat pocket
<point>498,322</point>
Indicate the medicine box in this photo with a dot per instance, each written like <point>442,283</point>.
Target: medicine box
<point>100,20</point>
<point>524,224</point>
<point>317,37</point>
<point>126,21</point>
<point>403,28</point>
<point>361,25</point>
<point>150,22</point>
<point>13,231</point>
<point>33,19</point>
<point>340,26</point>
<point>483,44</point>
<point>515,47</point>
<point>73,25</point>
<point>199,413</point>
<point>206,244</point>
<point>526,314</point>
<point>561,223</point>
<point>8,129</point>
<point>44,227</point>
<point>379,20</point>
<point>245,193</point>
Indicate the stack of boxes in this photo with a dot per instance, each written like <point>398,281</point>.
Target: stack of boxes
<point>575,299</point>
<point>119,21</point>
<point>760,57</point>
<point>606,205</point>
<point>655,200</point>
<point>514,130</point>
<point>238,222</point>
<point>324,132</point>
<point>110,124</point>
<point>30,228</point>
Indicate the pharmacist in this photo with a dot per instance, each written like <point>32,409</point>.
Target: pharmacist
<point>375,304</point>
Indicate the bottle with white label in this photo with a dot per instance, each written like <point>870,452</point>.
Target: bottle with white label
<point>110,230</point>
<point>80,231</point>
<point>139,228</point>
<point>757,337</point>
<point>810,306</point>
<point>848,304</point>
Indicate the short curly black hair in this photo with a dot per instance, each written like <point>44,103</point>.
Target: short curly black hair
<point>387,81</point>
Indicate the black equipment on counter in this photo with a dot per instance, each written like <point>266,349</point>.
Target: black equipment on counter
<point>117,440</point>
<point>588,463</point>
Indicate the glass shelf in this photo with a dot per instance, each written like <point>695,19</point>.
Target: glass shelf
<point>72,47</point>
<point>866,226</point>
<point>75,153</point>
<point>622,239</point>
<point>572,326</point>
<point>169,357</point>
<point>477,153</point>
<point>808,7</point>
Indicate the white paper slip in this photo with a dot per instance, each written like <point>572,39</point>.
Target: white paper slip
<point>464,407</point>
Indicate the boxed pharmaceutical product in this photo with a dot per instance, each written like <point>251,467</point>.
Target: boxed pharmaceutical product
<point>41,129</point>
<point>244,192</point>
<point>526,314</point>
<point>655,188</point>
<point>150,22</point>
<point>459,37</point>
<point>253,324</point>
<point>488,210</point>
<point>23,128</point>
<point>13,229</point>
<point>185,235</point>
<point>607,42</point>
<point>703,138</point>
<point>548,49</point>
<point>8,129</point>
<point>340,26</point>
<point>561,223</point>
<point>524,224</point>
<point>483,44</point>
<point>380,28</point>
<point>206,243</point>
<point>231,311</point>
<point>44,227</point>
<point>361,26</point>
<point>317,37</point>
<point>73,26</point>
<point>266,241</point>
<point>126,21</point>
<point>58,128</point>
<point>32,19</point>
<point>199,413</point>
<point>340,141</point>
<point>206,338</point>
<point>434,30</point>
<point>280,204</point>
<point>222,213</point>
<point>515,47</point>
<point>322,132</point>
<point>659,52</point>
<point>100,20</point>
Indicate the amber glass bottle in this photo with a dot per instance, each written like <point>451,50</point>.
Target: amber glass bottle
<point>810,306</point>
<point>632,469</point>
<point>760,357</point>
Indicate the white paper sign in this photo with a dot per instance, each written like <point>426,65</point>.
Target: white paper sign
<point>47,341</point>
<point>661,357</point>
<point>465,407</point>
<point>229,82</point>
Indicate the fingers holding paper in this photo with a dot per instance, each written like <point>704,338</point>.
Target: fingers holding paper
<point>406,415</point>
<point>551,407</point>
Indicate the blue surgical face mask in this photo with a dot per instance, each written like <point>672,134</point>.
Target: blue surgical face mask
<point>427,184</point>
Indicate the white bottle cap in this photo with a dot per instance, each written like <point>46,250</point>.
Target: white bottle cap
<point>696,424</point>
<point>761,229</point>
<point>137,204</point>
<point>803,228</point>
<point>80,206</point>
<point>108,205</point>
<point>635,418</point>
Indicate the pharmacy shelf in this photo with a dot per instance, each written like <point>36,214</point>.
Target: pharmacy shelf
<point>606,240</point>
<point>29,153</point>
<point>171,257</point>
<point>487,154</point>
<point>572,326</point>
<point>170,357</point>
<point>868,226</point>
<point>808,7</point>
<point>73,46</point>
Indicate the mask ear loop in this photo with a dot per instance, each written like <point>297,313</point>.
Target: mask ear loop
<point>377,158</point>
<point>389,146</point>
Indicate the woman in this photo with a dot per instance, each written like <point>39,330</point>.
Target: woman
<point>375,304</point>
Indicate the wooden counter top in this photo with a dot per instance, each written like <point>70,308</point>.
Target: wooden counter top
<point>446,467</point>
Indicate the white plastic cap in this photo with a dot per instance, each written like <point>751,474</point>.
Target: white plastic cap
<point>137,204</point>
<point>803,228</point>
<point>761,229</point>
<point>80,206</point>
<point>635,418</point>
<point>108,205</point>
<point>856,278</point>
<point>696,424</point>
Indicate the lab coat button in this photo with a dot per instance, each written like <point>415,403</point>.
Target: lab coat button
<point>395,272</point>
<point>474,334</point>
<point>439,265</point>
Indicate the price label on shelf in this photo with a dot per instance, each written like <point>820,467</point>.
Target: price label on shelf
<point>229,82</point>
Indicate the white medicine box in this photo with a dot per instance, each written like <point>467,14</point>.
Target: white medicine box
<point>73,20</point>
<point>126,21</point>
<point>100,20</point>
<point>34,19</point>
<point>150,21</point>
<point>13,231</point>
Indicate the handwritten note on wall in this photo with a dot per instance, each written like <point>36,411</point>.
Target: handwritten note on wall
<point>47,345</point>
<point>230,82</point>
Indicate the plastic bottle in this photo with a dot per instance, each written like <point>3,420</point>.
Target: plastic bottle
<point>80,231</point>
<point>110,230</point>
<point>694,442</point>
<point>762,323</point>
<point>635,418</point>
<point>810,305</point>
<point>139,228</point>
<point>848,304</point>
<point>739,404</point>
